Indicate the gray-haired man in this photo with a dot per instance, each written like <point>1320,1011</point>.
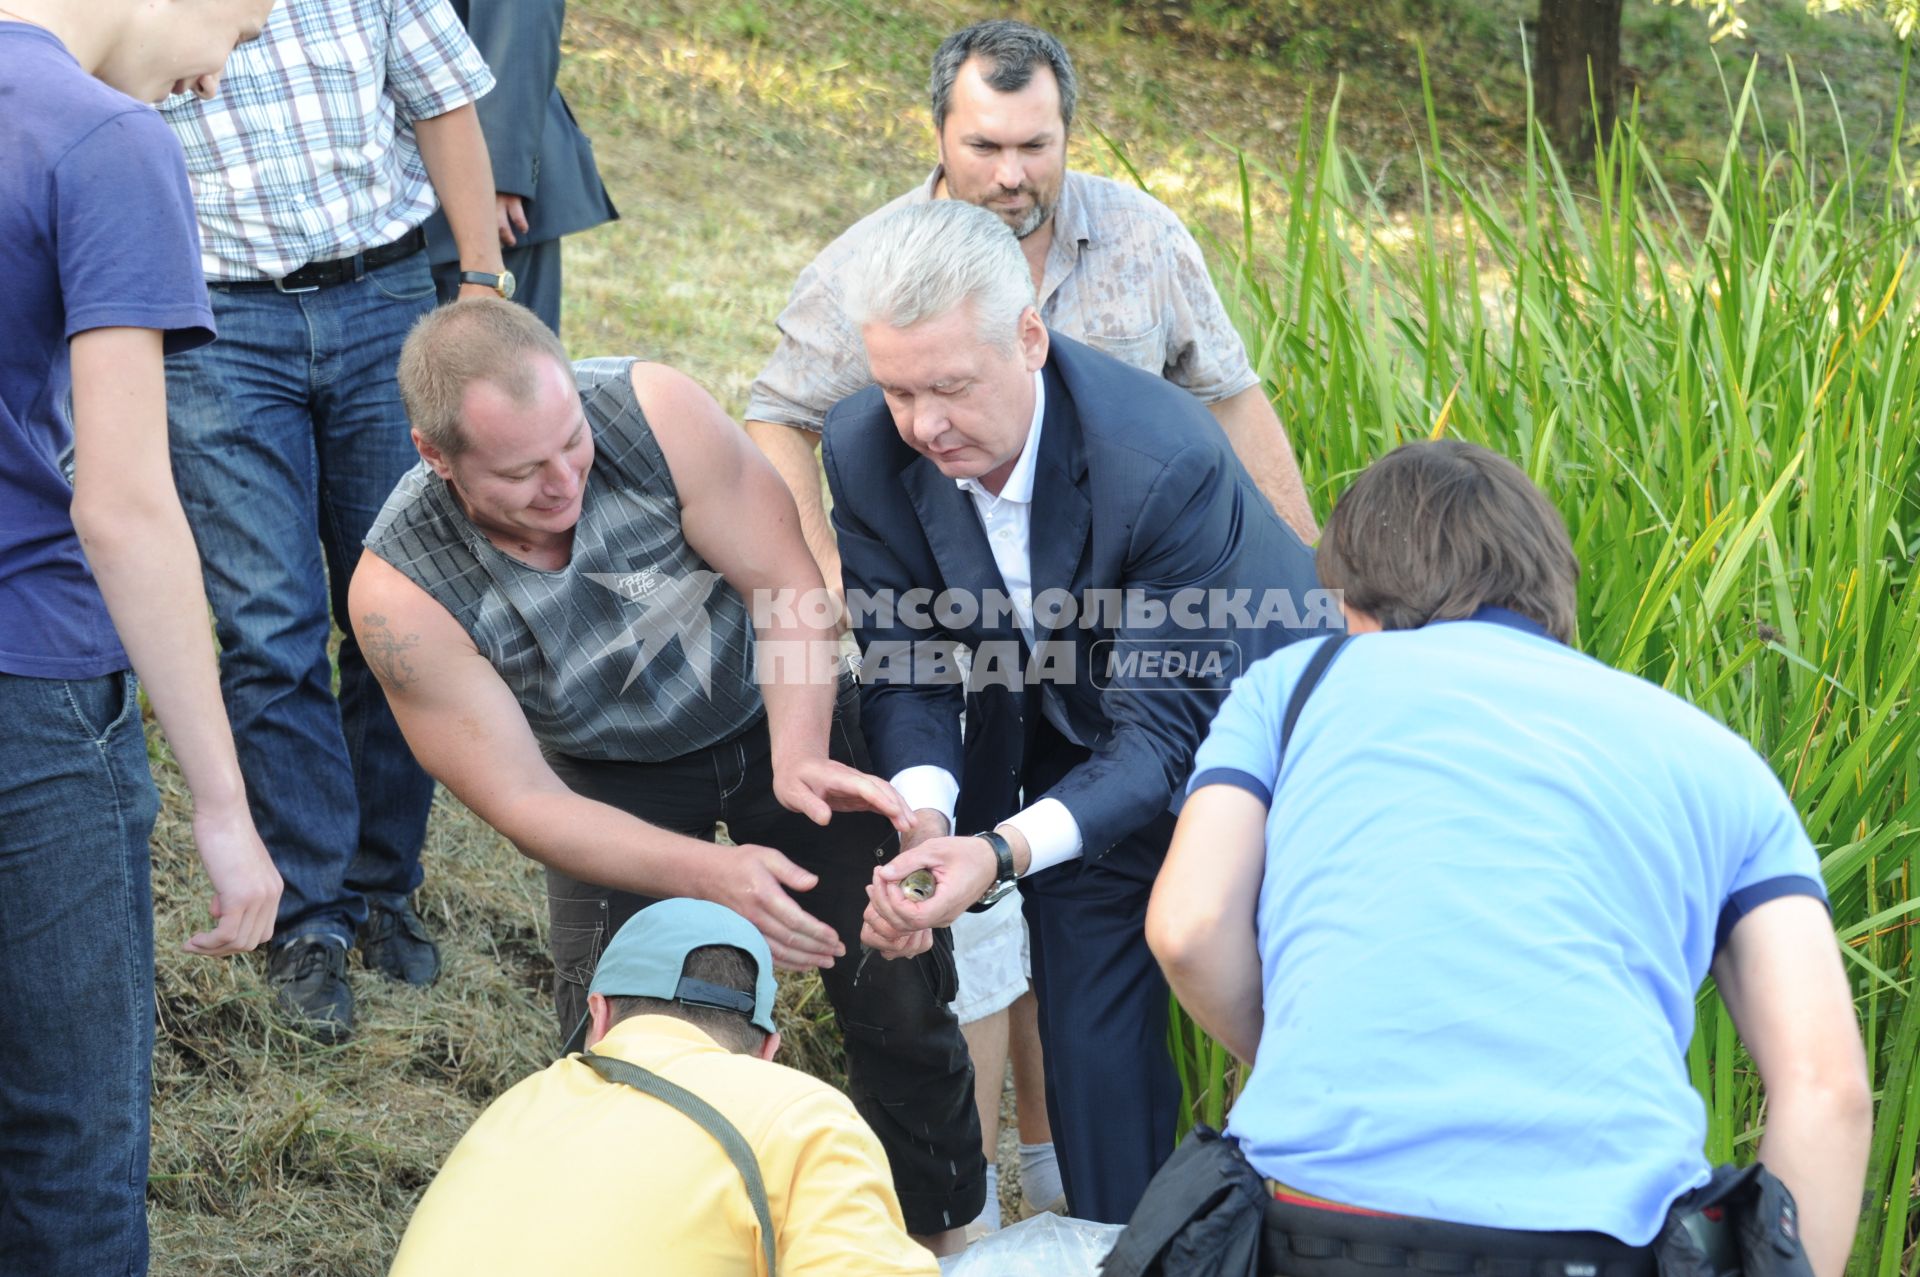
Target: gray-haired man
<point>994,461</point>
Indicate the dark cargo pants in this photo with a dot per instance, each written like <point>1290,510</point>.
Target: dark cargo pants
<point>908,1072</point>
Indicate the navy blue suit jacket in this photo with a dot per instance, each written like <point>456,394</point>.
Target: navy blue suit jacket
<point>537,150</point>
<point>1135,489</point>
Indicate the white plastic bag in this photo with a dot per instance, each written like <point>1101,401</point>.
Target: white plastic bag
<point>1043,1246</point>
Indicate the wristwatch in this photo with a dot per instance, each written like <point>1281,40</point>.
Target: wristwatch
<point>1004,877</point>
<point>501,283</point>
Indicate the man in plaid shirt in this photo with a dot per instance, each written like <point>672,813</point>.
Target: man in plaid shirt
<point>311,176</point>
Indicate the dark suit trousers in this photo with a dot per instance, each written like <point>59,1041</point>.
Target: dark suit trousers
<point>536,279</point>
<point>1112,1094</point>
<point>908,1072</point>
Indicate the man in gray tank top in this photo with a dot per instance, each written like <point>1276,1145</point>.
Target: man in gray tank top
<point>555,600</point>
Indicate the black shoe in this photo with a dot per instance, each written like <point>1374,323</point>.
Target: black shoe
<point>395,943</point>
<point>309,979</point>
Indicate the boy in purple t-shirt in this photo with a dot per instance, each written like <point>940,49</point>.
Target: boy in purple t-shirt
<point>98,573</point>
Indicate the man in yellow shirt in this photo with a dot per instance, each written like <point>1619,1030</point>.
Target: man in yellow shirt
<point>575,1170</point>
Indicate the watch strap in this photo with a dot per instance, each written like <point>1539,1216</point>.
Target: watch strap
<point>1004,877</point>
<point>503,283</point>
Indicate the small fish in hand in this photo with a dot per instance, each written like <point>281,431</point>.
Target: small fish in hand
<point>916,886</point>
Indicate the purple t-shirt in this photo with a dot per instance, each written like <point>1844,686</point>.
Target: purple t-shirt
<point>96,231</point>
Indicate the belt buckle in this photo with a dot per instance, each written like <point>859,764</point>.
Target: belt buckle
<point>280,285</point>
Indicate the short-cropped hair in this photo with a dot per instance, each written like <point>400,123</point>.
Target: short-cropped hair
<point>1434,531</point>
<point>720,964</point>
<point>922,261</point>
<point>475,339</point>
<point>1009,51</point>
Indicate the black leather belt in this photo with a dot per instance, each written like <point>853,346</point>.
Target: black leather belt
<point>1312,1241</point>
<point>340,270</point>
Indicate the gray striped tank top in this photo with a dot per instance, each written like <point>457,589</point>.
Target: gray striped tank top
<point>636,651</point>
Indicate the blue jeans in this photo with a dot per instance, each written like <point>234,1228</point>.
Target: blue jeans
<point>76,976</point>
<point>287,436</point>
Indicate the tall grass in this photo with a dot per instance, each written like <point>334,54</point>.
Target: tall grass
<point>1722,395</point>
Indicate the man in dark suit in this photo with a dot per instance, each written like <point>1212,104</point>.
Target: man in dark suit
<point>1086,535</point>
<point>544,177</point>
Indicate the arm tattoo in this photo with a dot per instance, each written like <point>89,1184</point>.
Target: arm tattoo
<point>386,652</point>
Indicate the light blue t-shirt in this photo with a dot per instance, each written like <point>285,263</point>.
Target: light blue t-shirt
<point>1497,872</point>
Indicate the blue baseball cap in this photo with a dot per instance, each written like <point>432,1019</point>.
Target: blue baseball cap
<point>648,955</point>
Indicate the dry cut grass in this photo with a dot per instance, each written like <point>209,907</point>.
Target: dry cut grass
<point>737,139</point>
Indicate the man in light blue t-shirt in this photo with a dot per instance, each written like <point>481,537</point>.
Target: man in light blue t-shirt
<point>1459,928</point>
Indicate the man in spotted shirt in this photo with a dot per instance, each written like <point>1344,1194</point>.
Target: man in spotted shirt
<point>1113,268</point>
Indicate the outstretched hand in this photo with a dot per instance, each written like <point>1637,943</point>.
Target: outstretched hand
<point>817,787</point>
<point>756,883</point>
<point>886,940</point>
<point>881,936</point>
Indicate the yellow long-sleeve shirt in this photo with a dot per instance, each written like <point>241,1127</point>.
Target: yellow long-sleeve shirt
<point>569,1173</point>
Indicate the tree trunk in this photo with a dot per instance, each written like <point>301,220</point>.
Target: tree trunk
<point>1571,38</point>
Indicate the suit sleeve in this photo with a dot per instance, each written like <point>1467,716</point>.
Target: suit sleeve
<point>520,40</point>
<point>1185,542</point>
<point>909,713</point>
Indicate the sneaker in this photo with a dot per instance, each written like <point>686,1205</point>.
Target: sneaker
<point>395,943</point>
<point>309,979</point>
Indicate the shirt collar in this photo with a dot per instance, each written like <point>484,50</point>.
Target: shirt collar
<point>1501,616</point>
<point>1019,485</point>
<point>648,1035</point>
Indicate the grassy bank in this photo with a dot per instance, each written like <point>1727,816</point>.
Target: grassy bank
<point>1727,413</point>
<point>1381,284</point>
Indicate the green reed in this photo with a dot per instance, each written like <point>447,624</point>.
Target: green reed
<point>1719,386</point>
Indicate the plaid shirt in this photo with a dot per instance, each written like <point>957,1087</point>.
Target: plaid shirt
<point>1123,275</point>
<point>308,153</point>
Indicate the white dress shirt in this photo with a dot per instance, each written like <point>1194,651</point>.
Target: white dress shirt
<point>1052,834</point>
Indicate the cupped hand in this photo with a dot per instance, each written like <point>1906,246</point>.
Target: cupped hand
<point>962,868</point>
<point>757,883</point>
<point>817,787</point>
<point>887,941</point>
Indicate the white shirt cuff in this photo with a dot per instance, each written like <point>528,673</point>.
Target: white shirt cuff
<point>1052,834</point>
<point>929,786</point>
